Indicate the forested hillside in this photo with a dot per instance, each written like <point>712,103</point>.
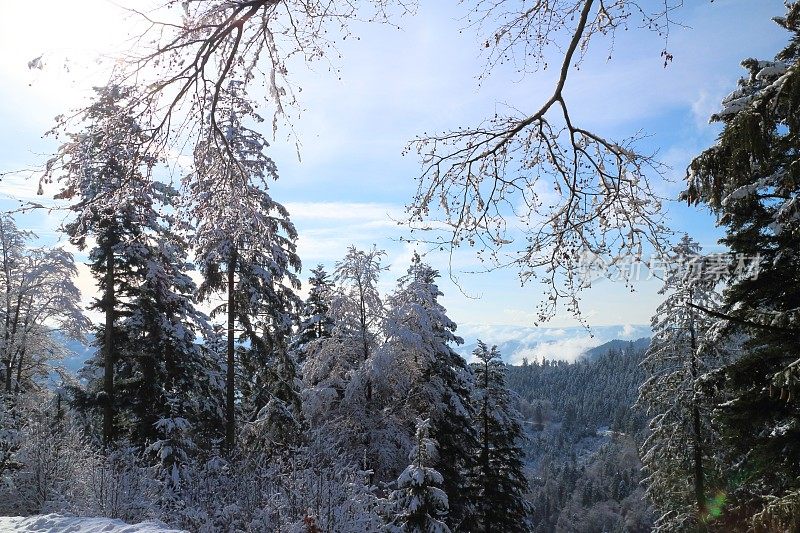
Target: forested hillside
<point>583,436</point>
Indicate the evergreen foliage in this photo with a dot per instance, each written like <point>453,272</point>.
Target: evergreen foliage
<point>245,246</point>
<point>499,477</point>
<point>683,351</point>
<point>315,318</point>
<point>420,330</point>
<point>422,503</point>
<point>153,368</point>
<point>750,179</point>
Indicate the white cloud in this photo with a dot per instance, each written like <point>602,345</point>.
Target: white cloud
<point>565,350</point>
<point>534,343</point>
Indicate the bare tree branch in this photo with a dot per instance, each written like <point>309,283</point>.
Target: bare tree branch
<point>539,192</point>
<point>193,54</point>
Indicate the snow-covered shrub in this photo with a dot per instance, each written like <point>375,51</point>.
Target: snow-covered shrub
<point>44,455</point>
<point>119,485</point>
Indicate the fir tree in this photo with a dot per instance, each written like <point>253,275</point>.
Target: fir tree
<point>316,322</point>
<point>422,504</point>
<point>101,170</point>
<point>499,476</point>
<point>419,330</point>
<point>151,362</point>
<point>750,179</point>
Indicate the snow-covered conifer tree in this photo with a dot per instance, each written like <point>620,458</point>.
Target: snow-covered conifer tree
<point>101,171</point>
<point>245,246</point>
<point>749,179</point>
<point>421,504</point>
<point>679,454</point>
<point>149,355</point>
<point>499,477</point>
<point>439,382</point>
<point>315,318</point>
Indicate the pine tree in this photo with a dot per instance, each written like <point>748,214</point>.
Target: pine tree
<point>683,350</point>
<point>245,246</point>
<point>750,179</point>
<point>421,503</point>
<point>499,476</point>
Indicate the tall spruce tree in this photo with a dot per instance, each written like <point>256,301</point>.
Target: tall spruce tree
<point>682,442</point>
<point>499,477</point>
<point>750,179</point>
<point>99,167</point>
<point>153,368</point>
<point>315,318</point>
<point>245,247</point>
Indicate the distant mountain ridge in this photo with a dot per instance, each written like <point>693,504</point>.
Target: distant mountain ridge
<point>517,343</point>
<point>617,344</point>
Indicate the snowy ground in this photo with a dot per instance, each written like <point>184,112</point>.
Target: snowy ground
<point>53,523</point>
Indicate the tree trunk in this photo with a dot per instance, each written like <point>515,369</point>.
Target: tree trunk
<point>21,350</point>
<point>230,414</point>
<point>9,340</point>
<point>362,316</point>
<point>108,352</point>
<point>19,369</point>
<point>699,490</point>
<point>9,368</point>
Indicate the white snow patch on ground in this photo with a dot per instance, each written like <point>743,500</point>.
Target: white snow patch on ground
<point>54,523</point>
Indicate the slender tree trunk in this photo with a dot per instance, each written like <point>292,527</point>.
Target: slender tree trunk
<point>9,368</point>
<point>362,316</point>
<point>230,413</point>
<point>21,349</point>
<point>19,369</point>
<point>699,489</point>
<point>9,371</point>
<point>108,355</point>
<point>9,339</point>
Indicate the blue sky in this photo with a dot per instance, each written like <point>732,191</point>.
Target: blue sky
<point>391,85</point>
